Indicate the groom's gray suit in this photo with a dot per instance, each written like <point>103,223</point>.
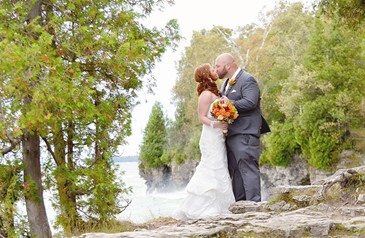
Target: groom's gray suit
<point>243,139</point>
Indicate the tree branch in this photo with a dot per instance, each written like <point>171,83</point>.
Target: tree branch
<point>35,11</point>
<point>10,148</point>
<point>49,148</point>
<point>266,33</point>
<point>233,45</point>
<point>13,142</point>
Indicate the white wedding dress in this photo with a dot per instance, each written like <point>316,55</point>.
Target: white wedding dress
<point>209,191</point>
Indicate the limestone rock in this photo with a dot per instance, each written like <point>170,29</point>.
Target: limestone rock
<point>293,211</point>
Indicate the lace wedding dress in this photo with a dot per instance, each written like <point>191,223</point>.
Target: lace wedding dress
<point>209,191</point>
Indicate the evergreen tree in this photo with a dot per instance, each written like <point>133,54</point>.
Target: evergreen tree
<point>332,96</point>
<point>154,139</point>
<point>69,75</point>
<point>322,98</point>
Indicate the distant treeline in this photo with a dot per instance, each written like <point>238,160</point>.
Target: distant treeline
<point>118,159</point>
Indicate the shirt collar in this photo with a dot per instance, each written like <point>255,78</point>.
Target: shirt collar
<point>235,73</point>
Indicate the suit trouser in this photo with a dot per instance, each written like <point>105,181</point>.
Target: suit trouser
<point>243,152</point>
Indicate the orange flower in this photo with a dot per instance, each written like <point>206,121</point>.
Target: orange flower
<point>224,111</point>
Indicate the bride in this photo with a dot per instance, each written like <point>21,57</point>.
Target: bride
<point>209,192</point>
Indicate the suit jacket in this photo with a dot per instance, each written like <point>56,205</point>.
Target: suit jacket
<point>246,96</point>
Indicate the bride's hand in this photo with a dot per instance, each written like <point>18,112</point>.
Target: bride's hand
<point>222,125</point>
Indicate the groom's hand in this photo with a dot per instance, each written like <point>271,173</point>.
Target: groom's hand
<point>223,99</point>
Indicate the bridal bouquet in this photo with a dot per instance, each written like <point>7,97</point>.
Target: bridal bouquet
<point>224,112</point>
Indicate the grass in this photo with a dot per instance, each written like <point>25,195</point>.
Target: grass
<point>121,226</point>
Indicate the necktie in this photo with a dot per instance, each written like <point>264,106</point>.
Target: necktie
<point>228,84</point>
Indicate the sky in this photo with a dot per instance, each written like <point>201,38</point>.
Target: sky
<point>192,15</point>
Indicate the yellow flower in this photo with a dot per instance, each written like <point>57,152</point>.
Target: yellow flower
<point>232,81</point>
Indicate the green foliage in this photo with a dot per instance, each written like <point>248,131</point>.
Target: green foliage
<point>154,139</point>
<point>282,52</point>
<point>114,226</point>
<point>323,96</point>
<point>178,155</point>
<point>102,203</point>
<point>184,143</point>
<point>350,12</point>
<point>311,74</point>
<point>334,93</point>
<point>184,133</point>
<point>322,145</point>
<point>166,157</point>
<point>319,132</point>
<point>200,50</point>
<point>10,192</point>
<point>71,76</point>
<point>279,53</point>
<point>280,144</point>
<point>193,146</point>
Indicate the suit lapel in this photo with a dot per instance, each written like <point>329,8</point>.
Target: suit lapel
<point>231,87</point>
<point>239,74</point>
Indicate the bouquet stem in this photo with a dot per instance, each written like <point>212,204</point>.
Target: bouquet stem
<point>225,132</point>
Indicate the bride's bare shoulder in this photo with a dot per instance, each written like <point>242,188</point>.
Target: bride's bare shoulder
<point>207,97</point>
<point>207,93</point>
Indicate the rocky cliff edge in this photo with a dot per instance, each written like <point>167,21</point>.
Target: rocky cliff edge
<point>333,207</point>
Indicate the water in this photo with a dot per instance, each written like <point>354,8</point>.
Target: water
<point>145,207</point>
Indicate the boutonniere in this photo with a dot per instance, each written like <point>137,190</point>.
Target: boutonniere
<point>232,81</point>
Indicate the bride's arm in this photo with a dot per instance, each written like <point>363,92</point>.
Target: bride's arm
<point>204,101</point>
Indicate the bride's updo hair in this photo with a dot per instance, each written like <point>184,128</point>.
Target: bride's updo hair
<point>206,80</point>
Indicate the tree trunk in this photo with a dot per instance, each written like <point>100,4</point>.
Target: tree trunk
<point>65,185</point>
<point>70,218</point>
<point>36,211</point>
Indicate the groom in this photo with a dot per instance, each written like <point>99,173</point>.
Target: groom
<point>243,139</point>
